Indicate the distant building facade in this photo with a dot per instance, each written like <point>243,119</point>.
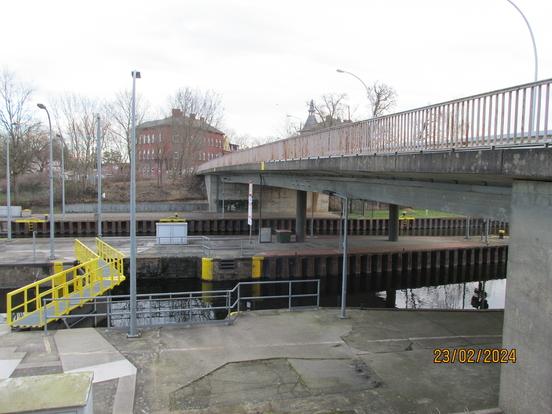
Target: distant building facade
<point>177,144</point>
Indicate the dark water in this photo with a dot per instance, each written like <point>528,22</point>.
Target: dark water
<point>476,287</point>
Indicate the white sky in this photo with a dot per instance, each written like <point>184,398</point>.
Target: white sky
<point>267,59</point>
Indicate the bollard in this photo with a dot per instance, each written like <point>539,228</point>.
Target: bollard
<point>206,268</point>
<point>256,267</point>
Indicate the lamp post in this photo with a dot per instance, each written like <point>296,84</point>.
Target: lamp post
<point>132,331</point>
<point>62,141</point>
<point>8,186</point>
<point>360,80</point>
<point>536,71</point>
<point>99,171</point>
<point>535,55</point>
<point>51,177</point>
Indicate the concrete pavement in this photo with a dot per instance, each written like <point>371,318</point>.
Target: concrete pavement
<point>279,362</point>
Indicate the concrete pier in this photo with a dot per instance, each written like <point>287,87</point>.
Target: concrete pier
<point>393,222</point>
<point>527,386</point>
<point>301,216</point>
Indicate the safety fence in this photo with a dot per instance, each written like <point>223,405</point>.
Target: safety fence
<point>191,308</point>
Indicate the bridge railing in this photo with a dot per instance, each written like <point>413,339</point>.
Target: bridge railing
<point>520,115</point>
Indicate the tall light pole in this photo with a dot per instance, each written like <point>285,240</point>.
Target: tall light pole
<point>532,123</point>
<point>51,174</point>
<point>361,81</point>
<point>62,141</point>
<point>535,55</point>
<point>132,330</point>
<point>8,184</point>
<point>99,171</point>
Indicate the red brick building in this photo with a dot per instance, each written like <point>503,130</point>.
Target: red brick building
<point>176,145</point>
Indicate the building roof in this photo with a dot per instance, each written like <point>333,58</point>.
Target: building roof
<point>178,117</point>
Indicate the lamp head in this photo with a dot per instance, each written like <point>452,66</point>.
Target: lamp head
<point>41,106</point>
<point>340,71</point>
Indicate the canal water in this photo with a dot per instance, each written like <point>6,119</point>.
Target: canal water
<point>468,287</point>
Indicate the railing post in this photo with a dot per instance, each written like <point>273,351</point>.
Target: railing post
<point>318,294</point>
<point>239,296</point>
<point>289,296</point>
<point>108,310</point>
<point>190,307</point>
<point>228,304</point>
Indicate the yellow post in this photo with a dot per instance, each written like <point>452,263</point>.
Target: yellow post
<point>57,267</point>
<point>206,268</point>
<point>257,267</point>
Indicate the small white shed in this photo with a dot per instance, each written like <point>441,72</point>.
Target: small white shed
<point>171,233</point>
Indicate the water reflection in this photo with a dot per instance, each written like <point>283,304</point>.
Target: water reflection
<point>473,295</point>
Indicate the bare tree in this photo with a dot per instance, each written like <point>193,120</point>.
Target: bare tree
<point>203,104</point>
<point>331,109</point>
<point>75,118</point>
<point>200,113</point>
<point>120,110</point>
<point>382,98</point>
<point>17,124</point>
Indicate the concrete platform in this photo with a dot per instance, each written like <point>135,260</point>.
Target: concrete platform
<point>19,251</point>
<point>280,362</point>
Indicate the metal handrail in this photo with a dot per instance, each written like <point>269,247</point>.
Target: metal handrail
<point>232,307</point>
<point>518,115</point>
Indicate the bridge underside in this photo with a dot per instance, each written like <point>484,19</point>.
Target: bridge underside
<point>514,185</point>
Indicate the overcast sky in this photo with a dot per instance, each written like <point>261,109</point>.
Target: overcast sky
<point>267,59</point>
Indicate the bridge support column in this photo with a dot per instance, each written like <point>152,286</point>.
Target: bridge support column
<point>393,222</point>
<point>212,187</point>
<point>301,216</point>
<point>525,386</point>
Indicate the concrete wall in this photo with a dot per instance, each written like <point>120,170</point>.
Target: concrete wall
<point>526,386</point>
<point>274,199</point>
<point>140,207</point>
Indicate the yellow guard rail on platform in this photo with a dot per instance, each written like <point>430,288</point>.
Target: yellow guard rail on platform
<point>47,299</point>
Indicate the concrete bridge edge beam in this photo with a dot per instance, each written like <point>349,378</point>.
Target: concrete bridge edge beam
<point>525,386</point>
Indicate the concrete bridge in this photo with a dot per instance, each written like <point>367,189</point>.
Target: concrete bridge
<point>486,155</point>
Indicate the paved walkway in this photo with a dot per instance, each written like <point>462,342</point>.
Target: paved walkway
<point>19,251</point>
<point>279,362</point>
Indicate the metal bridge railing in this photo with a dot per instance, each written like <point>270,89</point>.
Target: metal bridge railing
<point>189,308</point>
<point>520,115</point>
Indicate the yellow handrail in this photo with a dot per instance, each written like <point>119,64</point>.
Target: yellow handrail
<point>75,285</point>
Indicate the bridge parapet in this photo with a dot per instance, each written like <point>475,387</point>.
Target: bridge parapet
<point>515,116</point>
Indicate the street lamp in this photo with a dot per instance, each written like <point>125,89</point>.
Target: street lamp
<point>62,175</point>
<point>132,331</point>
<point>51,174</point>
<point>532,123</point>
<point>8,184</point>
<point>99,171</point>
<point>361,81</point>
<point>532,39</point>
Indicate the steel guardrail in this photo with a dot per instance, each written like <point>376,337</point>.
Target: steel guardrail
<point>515,116</point>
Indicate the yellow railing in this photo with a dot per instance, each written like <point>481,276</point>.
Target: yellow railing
<point>64,291</point>
<point>110,255</point>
